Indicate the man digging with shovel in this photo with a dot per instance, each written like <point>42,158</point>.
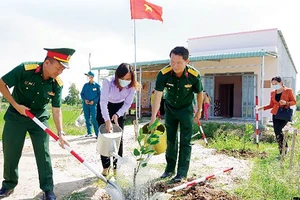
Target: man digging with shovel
<point>35,84</point>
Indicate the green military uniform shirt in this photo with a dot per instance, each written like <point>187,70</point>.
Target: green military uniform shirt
<point>180,91</point>
<point>31,90</point>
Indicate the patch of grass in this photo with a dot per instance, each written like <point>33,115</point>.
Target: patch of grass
<point>270,178</point>
<point>235,138</point>
<point>76,196</point>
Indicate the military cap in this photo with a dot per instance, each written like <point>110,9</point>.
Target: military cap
<point>90,73</point>
<point>62,55</point>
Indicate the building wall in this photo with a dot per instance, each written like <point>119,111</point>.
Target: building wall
<point>285,66</point>
<point>270,66</point>
<point>147,77</point>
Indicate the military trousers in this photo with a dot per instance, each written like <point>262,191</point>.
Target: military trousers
<point>173,117</point>
<point>15,128</point>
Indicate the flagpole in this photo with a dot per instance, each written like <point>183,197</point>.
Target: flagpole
<point>135,74</point>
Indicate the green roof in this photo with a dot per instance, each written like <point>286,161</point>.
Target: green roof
<point>219,56</point>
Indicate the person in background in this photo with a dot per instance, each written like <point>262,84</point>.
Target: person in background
<point>35,85</point>
<point>206,103</point>
<point>181,81</point>
<point>115,99</point>
<point>281,96</point>
<point>90,95</point>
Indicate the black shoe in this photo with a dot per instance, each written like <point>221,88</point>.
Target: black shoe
<point>5,192</point>
<point>49,195</point>
<point>166,174</point>
<point>177,178</point>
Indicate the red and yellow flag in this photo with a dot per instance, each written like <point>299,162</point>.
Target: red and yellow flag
<point>141,9</point>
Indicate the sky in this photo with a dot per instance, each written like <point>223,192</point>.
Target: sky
<point>104,29</point>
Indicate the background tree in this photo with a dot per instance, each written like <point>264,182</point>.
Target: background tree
<point>73,96</point>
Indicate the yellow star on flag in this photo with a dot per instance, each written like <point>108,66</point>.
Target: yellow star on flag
<point>147,8</point>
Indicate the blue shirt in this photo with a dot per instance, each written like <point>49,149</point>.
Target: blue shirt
<point>91,92</point>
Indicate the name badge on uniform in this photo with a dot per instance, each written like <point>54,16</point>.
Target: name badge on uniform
<point>51,93</point>
<point>94,89</point>
<point>29,83</point>
<point>188,86</point>
<point>170,84</point>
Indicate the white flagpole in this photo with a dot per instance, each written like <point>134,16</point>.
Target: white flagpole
<point>135,74</point>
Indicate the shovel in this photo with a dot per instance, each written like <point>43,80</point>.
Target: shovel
<point>167,195</point>
<point>112,189</point>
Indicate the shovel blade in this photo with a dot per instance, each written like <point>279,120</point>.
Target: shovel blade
<point>161,196</point>
<point>114,191</point>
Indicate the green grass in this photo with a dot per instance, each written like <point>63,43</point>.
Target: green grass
<point>269,179</point>
<point>70,113</point>
<point>69,116</point>
<point>76,196</point>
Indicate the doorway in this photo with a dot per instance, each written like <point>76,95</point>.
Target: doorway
<point>227,100</point>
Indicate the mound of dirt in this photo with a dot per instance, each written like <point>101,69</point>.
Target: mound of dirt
<point>200,191</point>
<point>243,154</point>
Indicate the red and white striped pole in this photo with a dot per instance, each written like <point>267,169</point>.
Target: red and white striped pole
<point>256,118</point>
<point>56,138</point>
<point>191,183</point>
<point>202,132</point>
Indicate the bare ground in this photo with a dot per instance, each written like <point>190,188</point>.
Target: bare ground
<point>70,176</point>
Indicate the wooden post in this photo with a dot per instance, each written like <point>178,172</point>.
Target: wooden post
<point>285,132</point>
<point>136,131</point>
<point>293,148</point>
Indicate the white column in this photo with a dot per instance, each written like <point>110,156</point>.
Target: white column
<point>262,86</point>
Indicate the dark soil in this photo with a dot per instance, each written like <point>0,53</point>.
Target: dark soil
<point>200,191</point>
<point>243,154</point>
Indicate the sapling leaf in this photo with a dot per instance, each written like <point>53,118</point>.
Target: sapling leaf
<point>136,152</point>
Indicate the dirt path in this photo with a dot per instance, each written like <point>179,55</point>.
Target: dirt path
<point>71,176</point>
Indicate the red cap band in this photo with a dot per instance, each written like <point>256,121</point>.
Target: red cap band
<point>58,56</point>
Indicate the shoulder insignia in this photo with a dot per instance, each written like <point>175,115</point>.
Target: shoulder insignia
<point>59,81</point>
<point>30,66</point>
<point>193,72</point>
<point>166,70</point>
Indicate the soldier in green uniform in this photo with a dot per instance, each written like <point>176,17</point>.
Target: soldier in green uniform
<point>181,82</point>
<point>35,84</point>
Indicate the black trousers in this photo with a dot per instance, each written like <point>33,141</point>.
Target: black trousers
<point>113,108</point>
<point>278,125</point>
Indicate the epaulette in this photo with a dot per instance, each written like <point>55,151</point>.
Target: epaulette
<point>30,66</point>
<point>193,72</point>
<point>59,81</point>
<point>166,70</point>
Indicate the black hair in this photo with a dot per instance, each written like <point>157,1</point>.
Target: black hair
<point>180,51</point>
<point>277,78</point>
<point>206,93</point>
<point>122,70</point>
